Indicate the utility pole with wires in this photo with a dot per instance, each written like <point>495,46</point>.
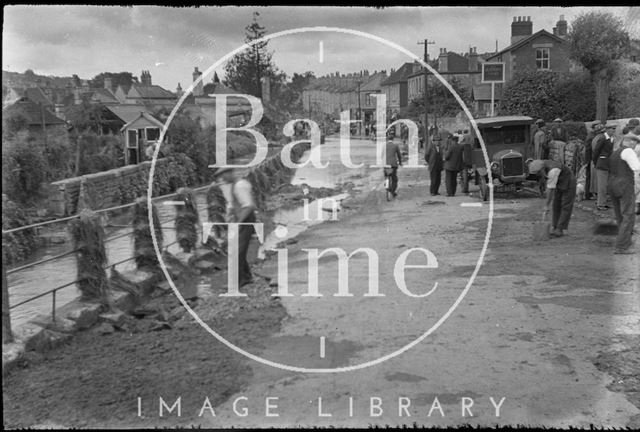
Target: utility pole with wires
<point>426,44</point>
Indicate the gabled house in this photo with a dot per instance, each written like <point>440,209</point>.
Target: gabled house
<point>139,133</point>
<point>541,50</point>
<point>38,117</point>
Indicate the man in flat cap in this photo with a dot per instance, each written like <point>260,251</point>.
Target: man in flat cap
<point>559,131</point>
<point>540,141</point>
<point>240,209</point>
<point>561,192</point>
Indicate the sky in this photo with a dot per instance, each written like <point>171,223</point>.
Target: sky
<point>170,42</point>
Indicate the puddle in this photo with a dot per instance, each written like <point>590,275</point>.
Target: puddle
<point>404,377</point>
<point>598,304</point>
<point>289,223</point>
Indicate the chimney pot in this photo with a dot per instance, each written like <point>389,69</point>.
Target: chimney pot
<point>561,17</point>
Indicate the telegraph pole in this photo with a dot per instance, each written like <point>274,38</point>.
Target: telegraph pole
<point>426,44</point>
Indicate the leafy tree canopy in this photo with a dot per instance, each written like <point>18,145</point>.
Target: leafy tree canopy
<point>597,38</point>
<point>124,79</point>
<point>245,71</point>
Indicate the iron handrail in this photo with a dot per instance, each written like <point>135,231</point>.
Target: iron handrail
<point>64,254</point>
<point>53,290</point>
<point>38,224</point>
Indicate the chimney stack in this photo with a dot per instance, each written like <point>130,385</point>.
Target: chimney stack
<point>145,78</point>
<point>473,60</point>
<point>108,84</point>
<point>521,28</point>
<point>561,26</point>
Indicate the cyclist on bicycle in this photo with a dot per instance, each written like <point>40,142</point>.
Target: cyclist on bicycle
<point>394,159</point>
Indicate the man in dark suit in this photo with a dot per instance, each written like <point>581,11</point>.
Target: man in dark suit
<point>453,164</point>
<point>588,189</point>
<point>467,159</point>
<point>601,151</point>
<point>433,157</point>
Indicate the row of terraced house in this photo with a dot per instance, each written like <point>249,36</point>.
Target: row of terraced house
<point>542,50</point>
<point>129,111</point>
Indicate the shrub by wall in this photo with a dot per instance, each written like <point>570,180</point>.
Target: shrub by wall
<point>20,244</point>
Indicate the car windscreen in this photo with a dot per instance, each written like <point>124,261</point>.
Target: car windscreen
<point>503,135</point>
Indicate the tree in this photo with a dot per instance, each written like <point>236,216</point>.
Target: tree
<point>442,102</point>
<point>625,91</point>
<point>548,94</point>
<point>124,79</point>
<point>245,71</point>
<point>531,93</point>
<point>24,168</point>
<point>597,39</point>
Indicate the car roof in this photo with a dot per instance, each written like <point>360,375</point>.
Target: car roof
<point>504,120</point>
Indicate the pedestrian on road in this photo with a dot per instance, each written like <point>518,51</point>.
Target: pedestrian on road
<point>240,209</point>
<point>559,131</point>
<point>393,160</point>
<point>601,151</point>
<point>433,157</point>
<point>467,162</point>
<point>588,187</point>
<point>541,141</point>
<point>561,192</point>
<point>624,169</point>
<point>453,164</point>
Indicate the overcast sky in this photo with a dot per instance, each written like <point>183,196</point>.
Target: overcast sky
<point>170,42</point>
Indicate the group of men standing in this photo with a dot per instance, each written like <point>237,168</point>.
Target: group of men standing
<point>607,165</point>
<point>451,155</point>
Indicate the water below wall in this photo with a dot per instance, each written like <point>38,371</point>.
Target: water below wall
<point>41,278</point>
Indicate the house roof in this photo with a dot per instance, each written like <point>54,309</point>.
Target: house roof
<point>146,116</point>
<point>33,112</point>
<point>525,41</point>
<point>374,82</point>
<point>401,75</point>
<point>127,113</point>
<point>104,95</point>
<point>151,92</point>
<point>34,94</point>
<point>482,92</point>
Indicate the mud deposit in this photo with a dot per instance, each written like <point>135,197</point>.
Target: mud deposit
<point>163,354</point>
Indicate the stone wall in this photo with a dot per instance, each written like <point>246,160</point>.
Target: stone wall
<point>102,190</point>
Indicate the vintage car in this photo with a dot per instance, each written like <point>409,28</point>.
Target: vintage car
<point>508,144</point>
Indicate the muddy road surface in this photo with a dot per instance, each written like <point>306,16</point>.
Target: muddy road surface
<point>432,321</point>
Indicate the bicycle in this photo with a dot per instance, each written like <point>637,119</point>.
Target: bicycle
<point>387,182</point>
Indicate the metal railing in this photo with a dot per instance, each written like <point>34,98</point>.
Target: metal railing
<point>53,291</point>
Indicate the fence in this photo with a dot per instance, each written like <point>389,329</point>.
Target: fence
<point>6,307</point>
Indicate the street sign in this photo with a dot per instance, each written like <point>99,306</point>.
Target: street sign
<point>492,72</point>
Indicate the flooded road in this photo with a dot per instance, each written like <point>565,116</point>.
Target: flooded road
<point>35,280</point>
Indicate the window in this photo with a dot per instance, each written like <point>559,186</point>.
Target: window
<point>542,58</point>
<point>132,142</point>
<point>153,134</point>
